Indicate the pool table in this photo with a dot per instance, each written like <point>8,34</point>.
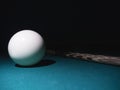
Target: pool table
<point>59,73</point>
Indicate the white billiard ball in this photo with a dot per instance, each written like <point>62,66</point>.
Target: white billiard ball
<point>26,48</point>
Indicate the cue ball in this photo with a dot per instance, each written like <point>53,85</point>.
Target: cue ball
<point>26,48</point>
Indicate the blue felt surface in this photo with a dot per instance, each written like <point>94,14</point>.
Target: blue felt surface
<point>65,74</point>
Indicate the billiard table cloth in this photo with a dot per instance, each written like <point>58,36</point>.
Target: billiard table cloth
<point>59,73</point>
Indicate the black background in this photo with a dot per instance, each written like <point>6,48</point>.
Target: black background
<point>64,25</point>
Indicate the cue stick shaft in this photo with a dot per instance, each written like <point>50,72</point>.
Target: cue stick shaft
<point>88,57</point>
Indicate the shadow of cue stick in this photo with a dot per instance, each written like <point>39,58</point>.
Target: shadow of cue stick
<point>88,57</point>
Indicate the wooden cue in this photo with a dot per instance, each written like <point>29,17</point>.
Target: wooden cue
<point>88,57</point>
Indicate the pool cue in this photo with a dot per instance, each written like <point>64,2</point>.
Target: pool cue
<point>88,57</point>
